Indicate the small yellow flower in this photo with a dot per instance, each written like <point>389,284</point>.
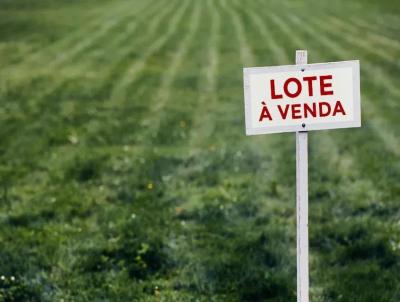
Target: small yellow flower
<point>150,186</point>
<point>182,124</point>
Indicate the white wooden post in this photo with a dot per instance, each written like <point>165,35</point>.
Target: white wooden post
<point>302,204</point>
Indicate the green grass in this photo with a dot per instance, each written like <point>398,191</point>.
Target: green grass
<point>125,173</point>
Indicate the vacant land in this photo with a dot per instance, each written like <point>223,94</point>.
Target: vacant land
<point>125,174</point>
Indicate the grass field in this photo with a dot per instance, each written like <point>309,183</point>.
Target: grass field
<point>125,173</point>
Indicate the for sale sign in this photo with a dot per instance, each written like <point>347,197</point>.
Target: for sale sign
<point>302,97</point>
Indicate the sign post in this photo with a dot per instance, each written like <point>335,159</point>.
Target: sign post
<point>299,98</point>
<point>302,203</point>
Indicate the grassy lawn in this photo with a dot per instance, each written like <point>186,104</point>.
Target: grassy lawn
<point>125,173</point>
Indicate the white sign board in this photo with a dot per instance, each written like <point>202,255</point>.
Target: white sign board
<point>302,97</point>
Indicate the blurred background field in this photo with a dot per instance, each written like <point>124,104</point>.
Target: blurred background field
<point>125,173</point>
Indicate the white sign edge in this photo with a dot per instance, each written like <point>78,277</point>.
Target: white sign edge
<point>356,122</point>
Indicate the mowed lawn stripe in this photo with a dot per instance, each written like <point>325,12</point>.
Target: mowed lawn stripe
<point>82,42</point>
<point>162,96</point>
<point>241,55</point>
<point>204,120</point>
<point>277,50</point>
<point>386,24</point>
<point>101,29</point>
<point>164,91</point>
<point>345,30</point>
<point>88,60</point>
<point>132,72</point>
<point>138,41</point>
<point>75,41</point>
<point>98,15</point>
<point>39,105</point>
<point>211,69</point>
<point>81,47</point>
<point>140,89</point>
<point>81,67</point>
<point>356,27</point>
<point>246,54</point>
<point>376,30</point>
<point>288,31</point>
<point>131,40</point>
<point>122,37</point>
